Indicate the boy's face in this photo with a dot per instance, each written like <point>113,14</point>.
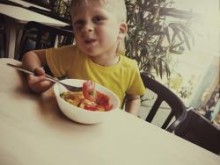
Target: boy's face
<point>97,30</point>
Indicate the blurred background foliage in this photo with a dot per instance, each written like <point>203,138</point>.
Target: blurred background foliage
<point>152,38</point>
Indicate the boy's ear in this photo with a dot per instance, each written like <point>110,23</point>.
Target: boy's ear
<point>123,30</point>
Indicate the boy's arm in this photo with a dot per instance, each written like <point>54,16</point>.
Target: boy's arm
<point>33,61</point>
<point>132,104</point>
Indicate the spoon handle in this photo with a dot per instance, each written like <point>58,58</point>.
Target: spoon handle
<point>20,68</point>
<point>48,77</point>
<point>32,73</point>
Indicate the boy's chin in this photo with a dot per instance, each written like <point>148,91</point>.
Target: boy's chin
<point>90,53</point>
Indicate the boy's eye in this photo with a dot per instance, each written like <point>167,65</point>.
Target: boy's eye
<point>78,23</point>
<point>98,19</point>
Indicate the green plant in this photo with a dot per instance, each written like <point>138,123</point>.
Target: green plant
<point>61,8</point>
<point>152,39</point>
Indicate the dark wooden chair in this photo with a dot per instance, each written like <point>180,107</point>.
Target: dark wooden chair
<point>200,131</point>
<point>2,42</point>
<point>39,36</point>
<point>2,37</point>
<point>176,108</point>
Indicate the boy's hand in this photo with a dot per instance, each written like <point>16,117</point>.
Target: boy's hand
<point>37,82</point>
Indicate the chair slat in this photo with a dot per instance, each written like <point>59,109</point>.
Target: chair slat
<point>154,109</point>
<point>176,106</point>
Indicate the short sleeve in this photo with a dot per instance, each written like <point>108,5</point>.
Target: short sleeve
<point>136,86</point>
<point>60,59</point>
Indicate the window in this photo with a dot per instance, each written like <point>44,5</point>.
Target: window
<point>197,71</point>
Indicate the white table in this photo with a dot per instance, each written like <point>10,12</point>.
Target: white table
<point>28,4</point>
<point>16,18</point>
<point>35,132</point>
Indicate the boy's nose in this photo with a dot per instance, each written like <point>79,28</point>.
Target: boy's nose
<point>88,27</point>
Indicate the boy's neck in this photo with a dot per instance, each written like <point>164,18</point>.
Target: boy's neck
<point>105,61</point>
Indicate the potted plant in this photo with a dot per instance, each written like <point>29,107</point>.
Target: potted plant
<point>152,39</point>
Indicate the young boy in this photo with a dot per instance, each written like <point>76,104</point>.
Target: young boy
<point>99,27</point>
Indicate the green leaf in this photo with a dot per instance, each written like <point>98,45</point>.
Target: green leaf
<point>167,34</point>
<point>161,68</point>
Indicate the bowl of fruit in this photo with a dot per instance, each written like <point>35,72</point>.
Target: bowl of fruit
<point>91,105</point>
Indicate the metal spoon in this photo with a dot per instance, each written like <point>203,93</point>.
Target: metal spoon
<point>47,77</point>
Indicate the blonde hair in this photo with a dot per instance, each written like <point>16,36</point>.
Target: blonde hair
<point>117,7</point>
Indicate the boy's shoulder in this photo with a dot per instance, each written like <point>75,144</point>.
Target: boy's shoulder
<point>67,49</point>
<point>128,62</point>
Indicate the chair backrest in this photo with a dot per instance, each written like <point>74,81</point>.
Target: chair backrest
<point>2,37</point>
<point>39,36</point>
<point>176,108</point>
<point>200,131</point>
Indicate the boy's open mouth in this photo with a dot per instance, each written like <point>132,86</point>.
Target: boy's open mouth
<point>90,41</point>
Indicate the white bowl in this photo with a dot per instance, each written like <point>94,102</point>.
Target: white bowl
<point>81,115</point>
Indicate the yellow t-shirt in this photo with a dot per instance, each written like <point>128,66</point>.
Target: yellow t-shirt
<point>123,77</point>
